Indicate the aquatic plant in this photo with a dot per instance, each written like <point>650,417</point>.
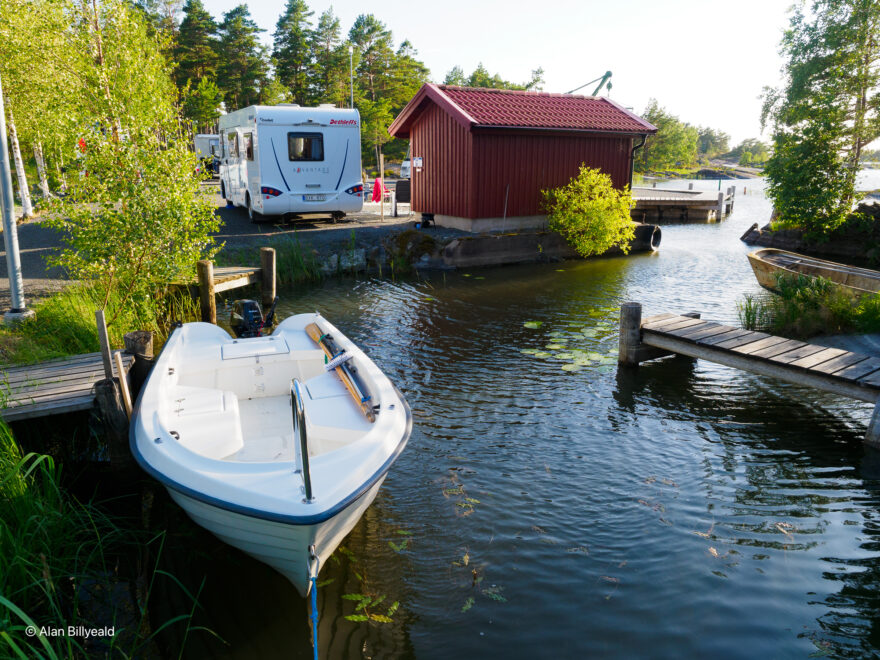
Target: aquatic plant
<point>807,306</point>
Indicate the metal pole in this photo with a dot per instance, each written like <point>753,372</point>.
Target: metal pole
<point>351,71</point>
<point>18,310</point>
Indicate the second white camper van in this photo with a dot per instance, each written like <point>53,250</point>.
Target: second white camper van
<point>287,159</point>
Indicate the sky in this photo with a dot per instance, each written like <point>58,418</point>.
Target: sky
<point>705,61</point>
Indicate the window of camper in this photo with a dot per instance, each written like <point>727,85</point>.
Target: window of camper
<point>232,140</point>
<point>305,146</point>
<point>249,145</point>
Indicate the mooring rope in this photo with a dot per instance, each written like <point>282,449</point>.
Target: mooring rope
<point>314,564</point>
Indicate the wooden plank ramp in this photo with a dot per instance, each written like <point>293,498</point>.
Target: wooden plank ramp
<point>54,387</point>
<point>835,370</point>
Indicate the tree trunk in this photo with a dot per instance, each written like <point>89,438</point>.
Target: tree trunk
<point>41,170</point>
<point>24,192</point>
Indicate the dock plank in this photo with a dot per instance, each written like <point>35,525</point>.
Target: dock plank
<point>715,339</point>
<point>687,331</point>
<point>838,363</point>
<point>818,358</point>
<point>778,349</point>
<point>748,338</point>
<point>748,349</point>
<point>791,356</point>
<point>656,325</point>
<point>860,370</point>
<point>695,334</point>
<point>683,322</point>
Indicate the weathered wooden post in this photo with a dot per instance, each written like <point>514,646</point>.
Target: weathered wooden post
<point>267,265</point>
<point>114,420</point>
<point>206,291</point>
<point>630,333</point>
<point>139,344</point>
<point>720,211</point>
<point>382,186</point>
<point>691,185</point>
<point>104,341</point>
<point>872,437</point>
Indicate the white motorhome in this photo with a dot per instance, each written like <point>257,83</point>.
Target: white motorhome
<point>207,146</point>
<point>287,159</point>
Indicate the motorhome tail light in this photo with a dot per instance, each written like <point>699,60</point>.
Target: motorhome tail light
<point>356,190</point>
<point>270,192</point>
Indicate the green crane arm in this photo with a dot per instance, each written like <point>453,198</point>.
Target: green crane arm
<point>602,80</point>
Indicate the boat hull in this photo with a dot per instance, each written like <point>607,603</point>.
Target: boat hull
<point>283,546</point>
<point>766,263</point>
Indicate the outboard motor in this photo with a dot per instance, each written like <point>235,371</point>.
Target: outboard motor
<point>247,318</point>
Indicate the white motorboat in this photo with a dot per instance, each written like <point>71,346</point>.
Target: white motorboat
<point>265,447</point>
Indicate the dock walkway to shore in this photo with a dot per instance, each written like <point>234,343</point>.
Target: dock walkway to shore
<point>835,370</point>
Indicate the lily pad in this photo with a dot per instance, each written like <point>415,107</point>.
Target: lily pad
<point>529,351</point>
<point>533,325</point>
<point>571,367</point>
<point>554,347</point>
<point>558,333</point>
<point>589,332</point>
<point>543,354</point>
<point>565,356</point>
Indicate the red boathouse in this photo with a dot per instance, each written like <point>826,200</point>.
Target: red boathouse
<point>480,157</point>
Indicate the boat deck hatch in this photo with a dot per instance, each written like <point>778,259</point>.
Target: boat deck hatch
<point>245,348</point>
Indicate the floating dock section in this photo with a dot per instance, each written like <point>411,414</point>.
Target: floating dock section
<point>657,205</point>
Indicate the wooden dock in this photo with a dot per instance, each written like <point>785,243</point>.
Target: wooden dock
<point>833,370</point>
<point>54,387</point>
<point>655,205</point>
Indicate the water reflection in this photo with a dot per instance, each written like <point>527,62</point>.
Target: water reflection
<point>550,500</point>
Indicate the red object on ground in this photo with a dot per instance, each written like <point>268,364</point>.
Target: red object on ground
<point>378,190</point>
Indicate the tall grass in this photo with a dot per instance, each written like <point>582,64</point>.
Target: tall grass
<point>294,262</point>
<point>808,306</point>
<point>65,324</point>
<point>60,565</point>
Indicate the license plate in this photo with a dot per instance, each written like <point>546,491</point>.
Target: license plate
<point>314,198</point>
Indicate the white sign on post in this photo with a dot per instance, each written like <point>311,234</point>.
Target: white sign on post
<point>417,162</point>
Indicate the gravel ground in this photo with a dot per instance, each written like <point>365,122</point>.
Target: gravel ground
<point>37,241</point>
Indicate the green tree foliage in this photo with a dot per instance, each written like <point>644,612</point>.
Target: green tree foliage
<point>674,145</point>
<point>711,142</point>
<point>196,49</point>
<point>373,44</point>
<point>482,78</point>
<point>330,71</point>
<point>292,50</point>
<point>828,101</point>
<point>243,68</point>
<point>760,151</point>
<point>590,213</point>
<point>201,104</point>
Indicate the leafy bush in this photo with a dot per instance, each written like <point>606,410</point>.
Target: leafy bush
<point>135,220</point>
<point>590,213</point>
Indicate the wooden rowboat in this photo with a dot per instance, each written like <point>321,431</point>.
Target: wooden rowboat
<point>767,262</point>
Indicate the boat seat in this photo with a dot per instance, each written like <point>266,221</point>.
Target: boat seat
<point>207,421</point>
<point>333,419</point>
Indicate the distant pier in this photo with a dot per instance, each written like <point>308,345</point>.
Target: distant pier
<point>659,205</point>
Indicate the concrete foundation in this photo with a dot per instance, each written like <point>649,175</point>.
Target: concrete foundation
<point>483,225</point>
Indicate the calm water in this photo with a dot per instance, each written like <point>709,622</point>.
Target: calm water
<point>678,510</point>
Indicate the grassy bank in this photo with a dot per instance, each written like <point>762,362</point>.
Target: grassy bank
<point>66,563</point>
<point>65,325</point>
<point>295,262</point>
<point>806,307</point>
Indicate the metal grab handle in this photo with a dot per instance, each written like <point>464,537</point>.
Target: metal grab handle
<point>299,430</point>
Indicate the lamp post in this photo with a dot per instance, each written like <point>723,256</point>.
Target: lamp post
<point>351,71</point>
<point>18,310</point>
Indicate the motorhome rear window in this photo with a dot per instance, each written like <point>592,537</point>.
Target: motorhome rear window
<point>305,146</point>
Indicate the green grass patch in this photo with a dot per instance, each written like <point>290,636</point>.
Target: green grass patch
<point>807,306</point>
<point>64,325</point>
<point>294,262</point>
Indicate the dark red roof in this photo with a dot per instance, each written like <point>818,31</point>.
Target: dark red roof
<point>478,107</point>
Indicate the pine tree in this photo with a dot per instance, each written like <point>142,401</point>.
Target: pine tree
<point>242,70</point>
<point>292,53</point>
<point>330,72</point>
<point>373,43</point>
<point>196,50</point>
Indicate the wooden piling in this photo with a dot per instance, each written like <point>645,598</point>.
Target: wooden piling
<point>114,421</point>
<point>267,265</point>
<point>104,341</point>
<point>720,210</point>
<point>630,333</point>
<point>139,344</point>
<point>872,437</point>
<point>206,291</point>
<point>691,185</point>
